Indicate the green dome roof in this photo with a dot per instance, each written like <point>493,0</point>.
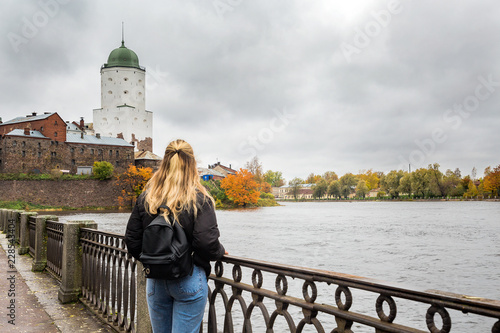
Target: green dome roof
<point>123,57</point>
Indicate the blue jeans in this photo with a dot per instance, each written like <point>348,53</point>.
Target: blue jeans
<point>177,306</point>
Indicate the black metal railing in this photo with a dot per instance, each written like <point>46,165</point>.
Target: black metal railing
<point>54,247</point>
<point>280,298</point>
<point>109,277</point>
<point>32,231</point>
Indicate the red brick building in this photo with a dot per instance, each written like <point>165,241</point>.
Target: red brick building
<point>51,125</point>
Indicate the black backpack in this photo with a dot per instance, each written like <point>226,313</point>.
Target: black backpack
<point>166,253</point>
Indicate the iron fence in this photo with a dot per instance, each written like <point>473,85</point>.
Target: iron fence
<point>109,278</point>
<point>54,248</point>
<point>267,297</point>
<point>32,231</point>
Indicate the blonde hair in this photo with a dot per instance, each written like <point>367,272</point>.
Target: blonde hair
<point>176,183</point>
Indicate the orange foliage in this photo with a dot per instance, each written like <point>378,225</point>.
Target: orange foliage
<point>265,187</point>
<point>241,188</point>
<point>492,180</point>
<point>132,183</point>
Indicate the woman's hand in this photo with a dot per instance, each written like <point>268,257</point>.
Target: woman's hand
<point>226,253</point>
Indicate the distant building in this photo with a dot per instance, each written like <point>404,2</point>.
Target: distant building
<point>283,192</point>
<point>222,169</point>
<point>147,159</point>
<point>42,143</point>
<point>208,174</point>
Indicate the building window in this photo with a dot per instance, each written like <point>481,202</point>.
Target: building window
<point>73,162</point>
<point>53,154</point>
<point>72,150</point>
<point>55,123</point>
<point>82,150</point>
<point>92,151</point>
<point>110,153</point>
<point>14,143</point>
<point>23,153</point>
<point>117,154</point>
<point>39,154</point>
<point>41,129</point>
<point>39,145</point>
<point>125,79</point>
<point>117,163</point>
<point>128,156</point>
<point>100,151</point>
<point>125,92</point>
<point>57,143</point>
<point>110,92</point>
<point>110,79</point>
<point>23,144</point>
<point>55,134</point>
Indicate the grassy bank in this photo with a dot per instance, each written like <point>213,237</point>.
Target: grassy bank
<point>29,206</point>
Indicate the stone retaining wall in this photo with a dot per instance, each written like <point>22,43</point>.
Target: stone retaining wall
<point>70,193</point>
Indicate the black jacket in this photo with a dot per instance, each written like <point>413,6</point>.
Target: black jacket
<point>201,231</point>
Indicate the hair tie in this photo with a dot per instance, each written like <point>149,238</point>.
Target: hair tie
<point>177,151</point>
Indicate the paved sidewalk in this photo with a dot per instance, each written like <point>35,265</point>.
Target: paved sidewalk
<point>34,295</point>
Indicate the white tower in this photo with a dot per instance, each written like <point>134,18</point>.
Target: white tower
<point>123,100</point>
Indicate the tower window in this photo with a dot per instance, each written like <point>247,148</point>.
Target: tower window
<point>125,92</point>
<point>110,92</point>
<point>125,79</point>
<point>110,79</point>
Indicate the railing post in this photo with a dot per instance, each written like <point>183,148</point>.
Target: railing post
<point>143,321</point>
<point>71,280</point>
<point>16,215</point>
<point>40,259</point>
<point>24,232</point>
<point>3,215</point>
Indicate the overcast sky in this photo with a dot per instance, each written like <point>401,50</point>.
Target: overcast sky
<point>307,86</point>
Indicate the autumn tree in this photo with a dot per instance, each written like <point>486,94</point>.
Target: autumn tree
<point>312,178</point>
<point>132,183</point>
<point>348,183</point>
<point>295,186</point>
<point>491,182</point>
<point>241,188</point>
<point>472,191</point>
<point>330,176</point>
<point>390,183</point>
<point>255,167</point>
<point>334,189</point>
<point>275,178</point>
<point>361,189</point>
<point>371,178</point>
<point>320,189</point>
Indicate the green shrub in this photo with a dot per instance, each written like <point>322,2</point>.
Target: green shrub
<point>103,170</point>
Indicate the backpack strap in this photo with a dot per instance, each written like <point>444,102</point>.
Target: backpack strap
<point>167,208</point>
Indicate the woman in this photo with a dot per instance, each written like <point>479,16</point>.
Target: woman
<point>178,305</point>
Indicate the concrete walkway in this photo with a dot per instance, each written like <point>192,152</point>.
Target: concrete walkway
<point>34,296</point>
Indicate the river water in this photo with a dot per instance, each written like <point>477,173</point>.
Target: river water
<point>448,246</point>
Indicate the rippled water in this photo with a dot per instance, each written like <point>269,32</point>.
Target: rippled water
<point>449,246</point>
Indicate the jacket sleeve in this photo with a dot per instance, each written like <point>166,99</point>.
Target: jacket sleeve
<point>206,234</point>
<point>133,234</point>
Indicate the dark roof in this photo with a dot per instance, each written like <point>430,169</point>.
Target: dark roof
<point>27,119</point>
